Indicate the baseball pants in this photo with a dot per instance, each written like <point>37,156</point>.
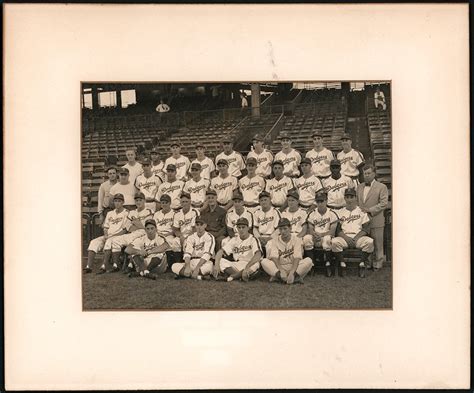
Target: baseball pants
<point>304,266</point>
<point>381,103</point>
<point>124,240</point>
<point>206,268</point>
<point>99,243</point>
<point>325,243</point>
<point>153,262</point>
<point>364,243</point>
<point>174,242</point>
<point>238,265</point>
<point>377,235</point>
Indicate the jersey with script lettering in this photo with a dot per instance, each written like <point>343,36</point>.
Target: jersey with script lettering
<point>174,190</point>
<point>134,171</point>
<point>335,189</point>
<point>232,216</point>
<point>291,162</point>
<point>278,189</point>
<point>182,164</point>
<point>297,219</point>
<point>142,215</point>
<point>251,187</point>
<point>159,171</point>
<point>285,251</point>
<point>207,166</point>
<point>235,161</point>
<point>115,222</point>
<point>350,161</point>
<point>322,222</point>
<point>185,221</point>
<point>242,250</point>
<point>200,246</point>
<point>266,222</point>
<point>197,190</point>
<point>164,222</point>
<point>307,188</point>
<point>352,220</point>
<point>146,244</point>
<point>224,187</point>
<point>127,190</point>
<point>148,185</point>
<point>320,161</point>
<point>264,162</point>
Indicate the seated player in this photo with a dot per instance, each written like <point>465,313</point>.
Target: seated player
<point>214,217</point>
<point>279,186</point>
<point>246,252</point>
<point>284,261</point>
<point>295,215</point>
<point>233,158</point>
<point>224,185</point>
<point>263,157</point>
<point>158,166</point>
<point>115,224</point>
<point>234,213</point>
<point>289,157</point>
<point>307,185</point>
<point>352,234</point>
<point>125,187</point>
<point>335,186</point>
<point>181,162</point>
<point>148,253</point>
<point>322,224</point>
<point>172,187</point>
<point>133,167</point>
<point>147,183</point>
<point>379,99</point>
<point>251,185</point>
<point>184,219</point>
<point>265,219</point>
<point>198,252</point>
<point>197,186</point>
<point>207,165</point>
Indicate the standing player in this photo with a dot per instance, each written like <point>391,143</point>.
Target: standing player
<point>279,186</point>
<point>295,215</point>
<point>126,188</point>
<point>265,219</point>
<point>234,159</point>
<point>104,198</point>
<point>307,185</point>
<point>197,186</point>
<point>351,160</point>
<point>320,157</point>
<point>335,185</point>
<point>158,166</point>
<point>263,157</point>
<point>284,259</point>
<point>237,211</point>
<point>181,162</point>
<point>224,185</point>
<point>198,252</point>
<point>207,165</point>
<point>133,167</point>
<point>246,252</point>
<point>184,219</point>
<point>251,185</point>
<point>289,157</point>
<point>172,187</point>
<point>214,216</point>
<point>148,183</point>
<point>353,233</point>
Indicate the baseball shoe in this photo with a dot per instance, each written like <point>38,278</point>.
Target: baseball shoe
<point>206,277</point>
<point>133,274</point>
<point>362,271</point>
<point>220,278</point>
<point>178,277</point>
<point>342,271</point>
<point>230,278</point>
<point>273,279</point>
<point>150,276</point>
<point>299,280</point>
<point>87,270</point>
<point>114,269</point>
<point>101,271</point>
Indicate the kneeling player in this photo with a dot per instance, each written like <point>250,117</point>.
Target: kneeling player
<point>353,233</point>
<point>198,251</point>
<point>246,251</point>
<point>148,252</point>
<point>285,256</point>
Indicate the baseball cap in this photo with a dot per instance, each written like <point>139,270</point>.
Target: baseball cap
<point>124,170</point>
<point>139,195</point>
<point>321,196</point>
<point>223,162</point>
<point>154,151</point>
<point>285,136</point>
<point>196,165</point>
<point>252,161</point>
<point>237,195</point>
<point>146,161</point>
<point>242,221</point>
<point>257,138</point>
<point>284,222</point>
<point>211,192</point>
<point>199,144</point>
<point>306,160</point>
<point>350,191</point>
<point>293,193</point>
<point>335,163</point>
<point>119,196</point>
<point>227,140</point>
<point>199,220</point>
<point>185,195</point>
<point>346,136</point>
<point>171,167</point>
<point>165,197</point>
<point>175,144</point>
<point>150,222</point>
<point>264,194</point>
<point>317,133</point>
<point>277,162</point>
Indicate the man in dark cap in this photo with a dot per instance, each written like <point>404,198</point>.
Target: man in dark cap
<point>289,157</point>
<point>157,165</point>
<point>320,157</point>
<point>172,187</point>
<point>207,165</point>
<point>234,159</point>
<point>180,162</point>
<point>335,185</point>
<point>197,186</point>
<point>351,160</point>
<point>307,185</point>
<point>251,185</point>
<point>224,185</point>
<point>147,183</point>
<point>263,157</point>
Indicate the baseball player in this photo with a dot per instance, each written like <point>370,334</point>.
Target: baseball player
<point>207,165</point>
<point>353,233</point>
<point>234,213</point>
<point>158,166</point>
<point>251,185</point>
<point>307,185</point>
<point>246,252</point>
<point>284,261</point>
<point>198,252</point>
<point>263,157</point>
<point>132,165</point>
<point>265,219</point>
<point>279,186</point>
<point>295,214</point>
<point>335,185</point>
<point>115,224</point>
<point>214,216</point>
<point>234,159</point>
<point>148,252</point>
<point>181,162</point>
<point>351,160</point>
<point>322,224</point>
<point>172,187</point>
<point>148,183</point>
<point>224,185</point>
<point>197,186</point>
<point>104,196</point>
<point>184,219</point>
<point>320,157</point>
<point>289,157</point>
<point>126,188</point>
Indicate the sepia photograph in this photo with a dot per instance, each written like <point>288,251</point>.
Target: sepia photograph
<point>248,195</point>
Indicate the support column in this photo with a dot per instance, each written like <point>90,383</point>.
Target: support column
<point>255,88</point>
<point>118,94</point>
<point>95,98</point>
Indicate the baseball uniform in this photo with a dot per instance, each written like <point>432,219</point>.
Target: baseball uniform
<point>185,221</point>
<point>174,190</point>
<point>351,224</point>
<point>182,164</point>
<point>127,190</point>
<point>232,217</point>
<point>235,161</point>
<point>134,171</point>
<point>266,222</point>
<point>297,219</point>
<point>251,187</point>
<point>124,240</point>
<point>335,189</point>
<point>321,223</point>
<point>198,247</point>
<point>145,243</point>
<point>349,162</point>
<point>242,251</point>
<point>159,171</point>
<point>264,162</point>
<point>224,187</point>
<point>149,187</point>
<point>290,160</point>
<point>114,223</point>
<point>207,166</point>
<point>307,188</point>
<point>164,227</point>
<point>320,161</point>
<point>278,189</point>
<point>197,190</point>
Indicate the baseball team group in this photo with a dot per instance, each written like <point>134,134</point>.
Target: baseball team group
<point>229,218</point>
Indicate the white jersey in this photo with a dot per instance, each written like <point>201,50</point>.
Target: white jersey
<point>200,246</point>
<point>207,166</point>
<point>185,221</point>
<point>146,244</point>
<point>297,219</point>
<point>232,217</point>
<point>159,170</point>
<point>134,170</point>
<point>264,162</point>
<point>320,161</point>
<point>251,188</point>
<point>350,161</point>
<point>335,189</point>
<point>278,189</point>
<point>235,161</point>
<point>182,164</point>
<point>352,220</point>
<point>148,185</point>
<point>291,161</point>
<point>127,190</point>
<point>285,251</point>
<point>224,187</point>
<point>142,215</point>
<point>174,190</point>
<point>242,250</point>
<point>115,222</point>
<point>164,222</point>
<point>197,190</point>
<point>322,222</point>
<point>266,222</point>
<point>307,188</point>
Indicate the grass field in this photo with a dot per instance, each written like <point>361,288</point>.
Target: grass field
<point>116,291</point>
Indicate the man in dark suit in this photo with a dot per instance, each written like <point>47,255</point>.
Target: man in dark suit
<point>372,197</point>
